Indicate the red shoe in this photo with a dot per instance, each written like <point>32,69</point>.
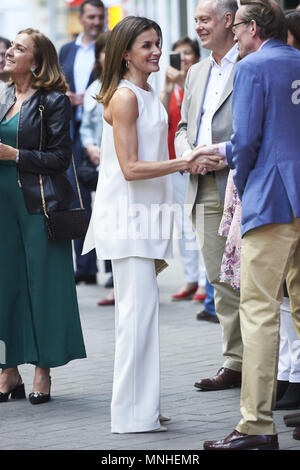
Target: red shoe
<point>106,302</point>
<point>199,297</point>
<point>184,294</point>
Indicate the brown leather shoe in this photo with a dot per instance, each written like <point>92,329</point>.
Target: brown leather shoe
<point>238,441</point>
<point>296,433</point>
<point>225,378</point>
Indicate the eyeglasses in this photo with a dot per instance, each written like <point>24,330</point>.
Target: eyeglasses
<point>234,26</point>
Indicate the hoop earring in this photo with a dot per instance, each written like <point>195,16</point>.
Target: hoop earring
<point>32,69</point>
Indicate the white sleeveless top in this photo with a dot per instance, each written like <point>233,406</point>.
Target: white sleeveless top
<point>134,218</point>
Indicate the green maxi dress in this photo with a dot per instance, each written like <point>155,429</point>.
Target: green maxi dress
<point>39,318</point>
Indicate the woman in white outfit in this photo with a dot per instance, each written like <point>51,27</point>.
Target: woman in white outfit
<point>132,221</point>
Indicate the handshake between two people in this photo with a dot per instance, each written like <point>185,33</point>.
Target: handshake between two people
<point>205,158</point>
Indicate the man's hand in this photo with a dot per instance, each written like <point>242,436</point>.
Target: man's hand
<point>200,169</point>
<point>94,153</point>
<point>196,169</point>
<point>202,156</point>
<point>213,149</point>
<point>75,98</point>
<point>204,159</point>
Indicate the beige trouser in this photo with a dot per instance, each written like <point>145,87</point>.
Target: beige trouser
<point>226,298</point>
<point>268,254</point>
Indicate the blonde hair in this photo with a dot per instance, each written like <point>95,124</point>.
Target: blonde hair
<point>48,73</point>
<point>121,40</point>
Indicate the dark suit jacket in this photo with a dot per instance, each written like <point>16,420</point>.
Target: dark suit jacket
<point>66,59</point>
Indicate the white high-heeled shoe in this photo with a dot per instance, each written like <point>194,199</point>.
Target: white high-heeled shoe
<point>164,418</point>
<point>161,429</point>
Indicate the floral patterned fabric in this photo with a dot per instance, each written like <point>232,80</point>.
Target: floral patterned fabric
<point>230,227</point>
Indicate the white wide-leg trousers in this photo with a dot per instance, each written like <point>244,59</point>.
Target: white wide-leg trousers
<point>289,349</point>
<point>136,383</point>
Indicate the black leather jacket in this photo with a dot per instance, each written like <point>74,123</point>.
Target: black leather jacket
<point>54,159</point>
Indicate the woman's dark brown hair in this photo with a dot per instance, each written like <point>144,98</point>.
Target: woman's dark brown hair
<point>48,73</point>
<point>5,41</point>
<point>100,44</point>
<point>293,24</point>
<point>121,40</point>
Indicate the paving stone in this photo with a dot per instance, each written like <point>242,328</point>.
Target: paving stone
<point>78,416</point>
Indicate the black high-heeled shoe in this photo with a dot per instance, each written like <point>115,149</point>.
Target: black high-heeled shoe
<point>38,398</point>
<point>17,393</point>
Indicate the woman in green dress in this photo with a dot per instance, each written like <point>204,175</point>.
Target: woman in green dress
<point>39,318</point>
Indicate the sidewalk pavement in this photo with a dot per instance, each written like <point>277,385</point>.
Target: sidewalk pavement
<point>78,416</point>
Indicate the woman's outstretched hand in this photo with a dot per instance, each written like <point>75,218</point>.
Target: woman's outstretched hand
<point>205,158</point>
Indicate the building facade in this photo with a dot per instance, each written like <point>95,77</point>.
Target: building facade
<point>176,18</point>
<point>58,19</point>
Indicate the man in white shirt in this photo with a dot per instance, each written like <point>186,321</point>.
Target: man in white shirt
<point>206,119</point>
<point>77,59</point>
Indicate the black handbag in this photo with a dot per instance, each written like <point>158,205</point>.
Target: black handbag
<point>66,224</point>
<point>88,175</point>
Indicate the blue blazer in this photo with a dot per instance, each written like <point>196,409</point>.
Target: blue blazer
<point>265,146</point>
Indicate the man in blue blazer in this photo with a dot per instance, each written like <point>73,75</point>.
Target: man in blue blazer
<point>264,150</point>
<point>77,60</point>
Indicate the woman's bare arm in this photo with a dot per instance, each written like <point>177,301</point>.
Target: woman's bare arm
<point>123,112</point>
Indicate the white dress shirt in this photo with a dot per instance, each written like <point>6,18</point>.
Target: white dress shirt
<point>218,78</point>
<point>83,66</point>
